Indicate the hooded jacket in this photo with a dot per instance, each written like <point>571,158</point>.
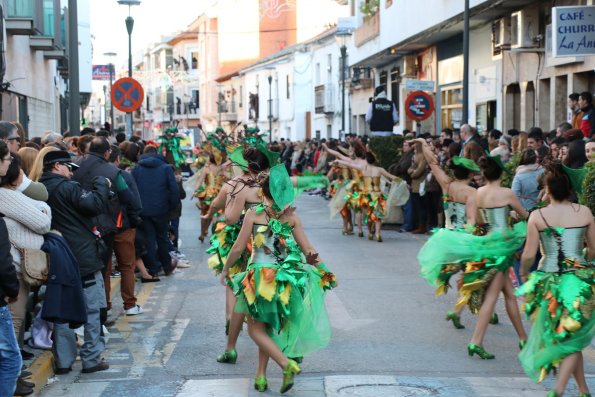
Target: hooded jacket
<point>156,185</point>
<point>73,210</point>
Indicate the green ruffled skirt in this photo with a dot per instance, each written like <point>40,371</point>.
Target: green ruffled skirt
<point>561,306</point>
<point>290,300</point>
<point>479,257</point>
<point>222,239</point>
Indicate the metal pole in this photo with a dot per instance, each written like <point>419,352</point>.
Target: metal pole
<point>343,56</point>
<point>111,82</point>
<point>465,118</point>
<point>74,103</point>
<point>270,78</point>
<point>129,27</point>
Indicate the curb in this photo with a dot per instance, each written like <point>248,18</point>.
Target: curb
<point>42,367</point>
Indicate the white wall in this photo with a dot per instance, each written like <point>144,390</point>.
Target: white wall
<point>85,46</point>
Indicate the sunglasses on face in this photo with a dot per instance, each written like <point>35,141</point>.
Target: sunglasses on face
<point>67,166</point>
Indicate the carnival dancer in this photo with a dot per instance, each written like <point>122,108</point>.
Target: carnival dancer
<point>236,197</point>
<point>373,200</point>
<point>282,297</point>
<point>559,295</point>
<point>208,184</point>
<point>459,212</point>
<point>337,192</point>
<point>489,275</point>
<point>355,187</point>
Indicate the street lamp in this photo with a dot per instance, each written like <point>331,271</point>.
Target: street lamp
<point>110,55</point>
<point>129,26</point>
<point>341,37</point>
<point>270,116</point>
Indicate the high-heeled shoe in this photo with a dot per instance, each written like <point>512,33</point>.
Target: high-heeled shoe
<point>260,383</point>
<point>227,322</point>
<point>584,395</point>
<point>202,238</point>
<point>228,357</point>
<point>494,319</point>
<point>552,393</point>
<point>298,360</point>
<point>455,318</point>
<point>360,234</point>
<point>379,238</point>
<point>472,349</point>
<point>522,343</point>
<point>290,370</point>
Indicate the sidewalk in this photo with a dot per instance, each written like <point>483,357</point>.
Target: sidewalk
<point>42,366</point>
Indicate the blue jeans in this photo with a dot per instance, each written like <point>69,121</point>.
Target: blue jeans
<point>10,356</point>
<point>408,215</point>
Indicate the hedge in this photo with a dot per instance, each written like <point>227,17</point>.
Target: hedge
<point>387,149</point>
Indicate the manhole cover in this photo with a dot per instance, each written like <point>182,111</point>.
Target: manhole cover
<point>385,391</point>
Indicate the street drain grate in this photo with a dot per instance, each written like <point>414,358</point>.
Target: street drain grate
<point>386,390</point>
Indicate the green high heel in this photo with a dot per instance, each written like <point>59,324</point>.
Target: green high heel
<point>522,343</point>
<point>584,395</point>
<point>552,393</point>
<point>260,383</point>
<point>290,370</point>
<point>479,350</point>
<point>455,318</point>
<point>494,318</point>
<point>360,234</point>
<point>298,360</point>
<point>229,357</point>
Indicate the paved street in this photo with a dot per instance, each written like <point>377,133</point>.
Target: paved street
<point>390,337</point>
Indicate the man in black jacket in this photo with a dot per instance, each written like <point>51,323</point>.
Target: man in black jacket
<point>73,211</point>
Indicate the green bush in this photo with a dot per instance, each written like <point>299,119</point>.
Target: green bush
<point>387,149</point>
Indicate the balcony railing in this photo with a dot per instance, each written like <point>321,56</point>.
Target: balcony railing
<point>369,30</point>
<point>20,8</point>
<point>323,99</point>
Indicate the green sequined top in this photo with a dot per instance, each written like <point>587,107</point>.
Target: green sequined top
<point>562,248</point>
<point>495,218</point>
<point>455,215</point>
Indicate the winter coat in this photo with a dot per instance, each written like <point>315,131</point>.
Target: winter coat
<point>156,184</point>
<point>64,300</point>
<point>73,210</point>
<point>9,284</point>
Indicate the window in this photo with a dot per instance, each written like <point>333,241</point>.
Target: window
<point>195,103</point>
<point>451,105</point>
<point>317,76</point>
<point>288,86</point>
<point>194,60</point>
<point>157,61</point>
<point>383,78</point>
<point>241,96</point>
<point>329,131</point>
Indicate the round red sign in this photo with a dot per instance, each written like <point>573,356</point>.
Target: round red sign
<point>419,105</point>
<point>127,94</point>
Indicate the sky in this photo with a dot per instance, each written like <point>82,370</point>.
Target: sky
<point>152,19</point>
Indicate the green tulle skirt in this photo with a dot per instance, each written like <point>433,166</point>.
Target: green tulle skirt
<point>290,300</point>
<point>561,307</point>
<point>479,257</point>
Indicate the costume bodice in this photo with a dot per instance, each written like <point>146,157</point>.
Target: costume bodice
<point>455,215</point>
<point>345,173</point>
<point>220,180</point>
<point>265,246</point>
<point>495,218</point>
<point>356,176</point>
<point>372,183</point>
<point>561,248</point>
<point>210,179</point>
<point>248,205</point>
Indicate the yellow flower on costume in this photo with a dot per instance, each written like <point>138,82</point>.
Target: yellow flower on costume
<point>267,285</point>
<point>259,240</point>
<point>284,296</point>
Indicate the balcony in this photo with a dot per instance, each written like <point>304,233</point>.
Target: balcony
<point>41,43</point>
<point>369,30</point>
<point>227,111</point>
<point>20,15</point>
<point>323,100</point>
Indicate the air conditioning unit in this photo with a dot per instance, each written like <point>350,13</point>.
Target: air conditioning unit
<point>409,66</point>
<point>524,28</point>
<point>501,34</point>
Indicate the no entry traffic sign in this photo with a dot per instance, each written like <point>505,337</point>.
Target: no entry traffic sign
<point>127,94</point>
<point>419,105</point>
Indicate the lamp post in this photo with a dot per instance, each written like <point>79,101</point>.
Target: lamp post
<point>270,101</point>
<point>129,26</point>
<point>465,119</point>
<point>110,55</point>
<point>74,95</point>
<point>341,37</point>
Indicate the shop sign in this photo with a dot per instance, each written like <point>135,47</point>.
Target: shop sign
<point>573,30</point>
